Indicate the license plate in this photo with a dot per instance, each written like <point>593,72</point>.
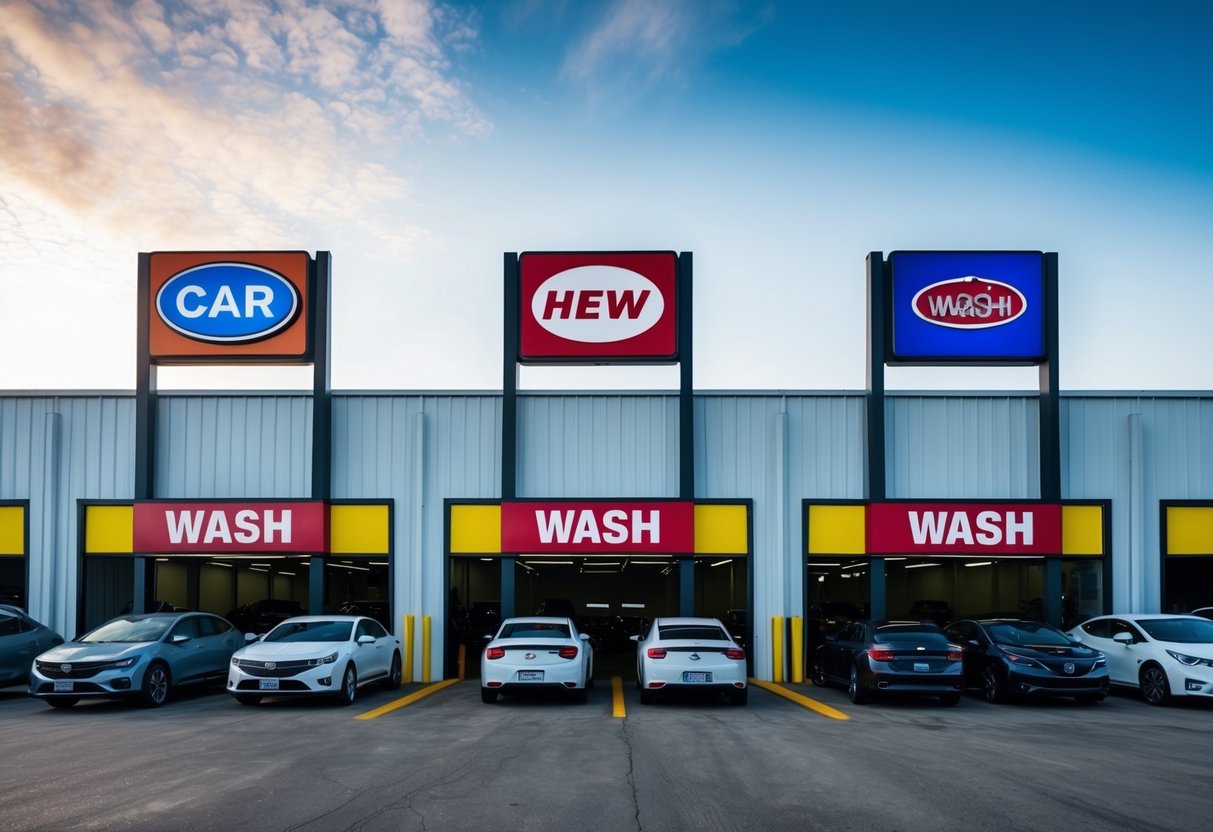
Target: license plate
<point>530,675</point>
<point>62,686</point>
<point>922,667</point>
<point>267,684</point>
<point>696,677</point>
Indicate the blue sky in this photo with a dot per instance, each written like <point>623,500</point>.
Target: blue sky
<point>779,142</point>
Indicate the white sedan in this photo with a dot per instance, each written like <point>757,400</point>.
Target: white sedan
<point>681,654</point>
<point>1162,655</point>
<point>536,653</point>
<point>325,654</point>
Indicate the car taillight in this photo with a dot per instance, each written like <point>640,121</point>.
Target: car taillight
<point>568,652</point>
<point>735,653</point>
<point>955,655</point>
<point>495,653</point>
<point>656,652</point>
<point>880,654</point>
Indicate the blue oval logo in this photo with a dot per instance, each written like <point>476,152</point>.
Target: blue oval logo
<point>227,303</point>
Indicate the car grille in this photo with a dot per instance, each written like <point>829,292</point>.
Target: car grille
<point>76,670</point>
<point>274,670</point>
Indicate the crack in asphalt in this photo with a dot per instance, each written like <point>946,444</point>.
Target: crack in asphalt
<point>631,774</point>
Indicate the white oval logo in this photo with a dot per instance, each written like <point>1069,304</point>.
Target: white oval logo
<point>597,304</point>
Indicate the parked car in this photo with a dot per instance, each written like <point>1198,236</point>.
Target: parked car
<point>139,656</point>
<point>1160,655</point>
<point>260,617</point>
<point>332,655</point>
<point>21,639</point>
<point>827,618</point>
<point>889,657</point>
<point>536,653</point>
<point>1006,657</point>
<point>689,654</point>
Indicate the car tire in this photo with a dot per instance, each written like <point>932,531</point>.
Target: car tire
<point>858,693</point>
<point>581,696</point>
<point>156,684</point>
<point>392,682</point>
<point>248,698</point>
<point>818,674</point>
<point>992,687</point>
<point>949,700</point>
<point>487,696</point>
<point>62,701</point>
<point>738,698</point>
<point>1155,688</point>
<point>647,698</point>
<point>1089,698</point>
<point>349,686</point>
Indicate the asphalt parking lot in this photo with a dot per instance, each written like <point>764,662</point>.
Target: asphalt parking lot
<point>448,762</point>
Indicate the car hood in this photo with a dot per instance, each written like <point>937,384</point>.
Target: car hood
<point>75,651</point>
<point>286,650</point>
<point>1044,651</point>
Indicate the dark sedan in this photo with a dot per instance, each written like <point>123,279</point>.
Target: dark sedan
<point>890,657</point>
<point>1011,657</point>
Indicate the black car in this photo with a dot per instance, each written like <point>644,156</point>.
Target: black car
<point>872,657</point>
<point>262,616</point>
<point>827,618</point>
<point>1005,657</point>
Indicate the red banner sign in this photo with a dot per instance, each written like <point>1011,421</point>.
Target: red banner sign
<point>964,529</point>
<point>230,528</point>
<point>600,527</point>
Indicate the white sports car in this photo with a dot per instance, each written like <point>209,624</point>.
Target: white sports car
<point>327,654</point>
<point>683,654</point>
<point>1162,655</point>
<point>536,653</point>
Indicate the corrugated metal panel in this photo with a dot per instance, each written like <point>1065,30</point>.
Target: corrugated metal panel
<point>54,451</point>
<point>234,446</point>
<point>957,447</point>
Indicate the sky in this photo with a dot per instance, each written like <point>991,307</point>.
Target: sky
<point>779,142</point>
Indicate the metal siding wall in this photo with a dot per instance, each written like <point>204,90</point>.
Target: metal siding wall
<point>958,447</point>
<point>234,446</point>
<point>95,461</point>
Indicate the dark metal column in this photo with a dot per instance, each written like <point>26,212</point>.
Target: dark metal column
<point>686,420</point>
<point>1050,432</point>
<point>145,420</point>
<point>509,412</point>
<point>322,409</point>
<point>879,289</point>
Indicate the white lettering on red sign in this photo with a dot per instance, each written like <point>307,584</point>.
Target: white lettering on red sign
<point>597,304</point>
<point>950,528</point>
<point>210,526</point>
<point>582,527</point>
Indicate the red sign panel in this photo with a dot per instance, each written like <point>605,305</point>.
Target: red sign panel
<point>984,529</point>
<point>600,527</point>
<point>598,308</point>
<point>230,528</point>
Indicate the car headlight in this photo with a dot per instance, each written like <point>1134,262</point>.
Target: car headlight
<point>1021,661</point>
<point>1190,661</point>
<point>235,662</point>
<point>1100,662</point>
<point>329,659</point>
<point>127,662</point>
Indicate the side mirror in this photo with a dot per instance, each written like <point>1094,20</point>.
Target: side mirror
<point>974,642</point>
<point>487,637</point>
<point>1123,638</point>
<point>584,636</point>
<point>366,639</point>
<point>180,638</point>
<point>635,638</point>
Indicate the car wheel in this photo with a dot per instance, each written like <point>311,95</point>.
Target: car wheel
<point>992,687</point>
<point>487,696</point>
<point>1089,698</point>
<point>1155,688</point>
<point>349,686</point>
<point>248,699</point>
<point>581,696</point>
<point>62,701</point>
<point>646,698</point>
<point>819,674</point>
<point>155,685</point>
<point>393,678</point>
<point>949,699</point>
<point>857,692</point>
<point>739,697</point>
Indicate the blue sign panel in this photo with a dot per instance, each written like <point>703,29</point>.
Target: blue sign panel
<point>227,302</point>
<point>967,307</point>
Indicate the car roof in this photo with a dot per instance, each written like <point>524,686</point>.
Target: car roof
<point>1144,616</point>
<point>309,618</point>
<point>537,619</point>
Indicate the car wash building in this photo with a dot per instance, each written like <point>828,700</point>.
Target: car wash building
<point>453,509</point>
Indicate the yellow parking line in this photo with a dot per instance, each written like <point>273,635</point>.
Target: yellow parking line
<point>800,699</point>
<point>617,708</point>
<point>407,700</point>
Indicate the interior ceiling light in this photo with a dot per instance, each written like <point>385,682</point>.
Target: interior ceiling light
<point>722,562</point>
<point>894,558</point>
<point>350,567</point>
<point>815,563</point>
<point>981,563</point>
<point>921,565</point>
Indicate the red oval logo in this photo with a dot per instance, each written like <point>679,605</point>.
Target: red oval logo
<point>969,302</point>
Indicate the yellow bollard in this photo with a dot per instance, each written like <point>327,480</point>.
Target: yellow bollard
<point>408,650</point>
<point>425,649</point>
<point>463,661</point>
<point>797,657</point>
<point>776,648</point>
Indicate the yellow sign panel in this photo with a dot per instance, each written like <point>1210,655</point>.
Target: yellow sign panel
<point>1189,530</point>
<point>1082,530</point>
<point>109,530</point>
<point>359,530</point>
<point>475,529</point>
<point>12,530</point>
<point>837,530</point>
<point>721,530</point>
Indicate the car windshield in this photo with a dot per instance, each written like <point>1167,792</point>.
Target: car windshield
<point>311,631</point>
<point>1027,634</point>
<point>128,631</point>
<point>533,629</point>
<point>698,632</point>
<point>1179,630</point>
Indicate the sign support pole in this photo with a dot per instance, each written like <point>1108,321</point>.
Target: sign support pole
<point>322,411</point>
<point>1050,432</point>
<point>509,412</point>
<point>879,301</point>
<point>145,421</point>
<point>686,422</point>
